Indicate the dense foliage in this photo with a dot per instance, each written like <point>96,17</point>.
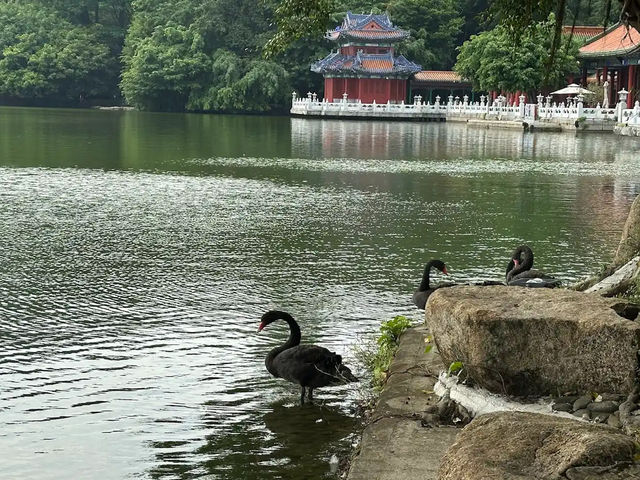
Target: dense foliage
<point>46,57</point>
<point>241,55</point>
<point>201,56</point>
<point>491,60</point>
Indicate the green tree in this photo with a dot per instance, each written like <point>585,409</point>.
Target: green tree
<point>242,85</point>
<point>202,55</point>
<point>42,56</point>
<point>164,67</point>
<point>491,60</point>
<point>434,25</point>
<point>298,19</point>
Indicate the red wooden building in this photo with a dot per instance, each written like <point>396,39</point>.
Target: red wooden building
<point>614,55</point>
<point>365,66</point>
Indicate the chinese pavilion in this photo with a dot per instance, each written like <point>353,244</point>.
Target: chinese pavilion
<point>365,66</point>
<point>614,55</point>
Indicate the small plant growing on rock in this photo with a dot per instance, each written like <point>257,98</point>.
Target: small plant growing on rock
<point>455,368</point>
<point>429,346</point>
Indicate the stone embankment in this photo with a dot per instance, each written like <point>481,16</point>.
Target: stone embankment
<point>402,440</point>
<point>548,384</point>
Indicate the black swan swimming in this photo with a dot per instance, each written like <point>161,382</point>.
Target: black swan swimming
<point>310,366</point>
<point>421,295</point>
<point>520,274</point>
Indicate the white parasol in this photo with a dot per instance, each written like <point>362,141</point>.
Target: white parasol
<point>572,89</point>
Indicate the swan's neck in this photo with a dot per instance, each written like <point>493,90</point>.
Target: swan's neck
<point>527,262</point>
<point>424,285</point>
<point>292,341</point>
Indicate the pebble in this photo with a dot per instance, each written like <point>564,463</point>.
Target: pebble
<point>583,413</point>
<point>614,420</point>
<point>446,407</point>
<point>566,399</point>
<point>606,406</point>
<point>562,407</point>
<point>612,396</point>
<point>582,402</point>
<point>600,417</point>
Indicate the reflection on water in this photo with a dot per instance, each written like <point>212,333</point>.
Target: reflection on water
<point>288,441</point>
<point>409,140</point>
<point>138,252</point>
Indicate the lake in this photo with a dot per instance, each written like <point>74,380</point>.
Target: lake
<point>139,250</point>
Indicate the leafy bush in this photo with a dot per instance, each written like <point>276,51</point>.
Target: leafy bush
<point>377,357</point>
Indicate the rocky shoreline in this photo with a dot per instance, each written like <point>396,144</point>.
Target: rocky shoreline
<point>546,386</point>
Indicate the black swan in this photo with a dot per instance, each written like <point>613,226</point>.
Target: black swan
<point>520,274</point>
<point>310,366</point>
<point>421,295</point>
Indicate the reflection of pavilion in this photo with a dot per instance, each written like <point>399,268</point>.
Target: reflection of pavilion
<point>407,140</point>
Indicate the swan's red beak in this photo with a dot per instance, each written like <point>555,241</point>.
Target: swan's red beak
<point>444,270</point>
<point>516,261</point>
<point>260,327</point>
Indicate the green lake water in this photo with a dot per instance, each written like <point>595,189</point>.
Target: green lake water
<point>139,250</point>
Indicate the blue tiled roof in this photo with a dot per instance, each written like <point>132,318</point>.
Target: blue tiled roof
<point>366,63</point>
<point>356,21</point>
<point>353,29</point>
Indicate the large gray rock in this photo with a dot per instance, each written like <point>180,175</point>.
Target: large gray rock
<point>535,341</point>
<point>523,446</point>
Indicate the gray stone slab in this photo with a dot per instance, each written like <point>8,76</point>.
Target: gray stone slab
<point>391,442</point>
<point>401,449</point>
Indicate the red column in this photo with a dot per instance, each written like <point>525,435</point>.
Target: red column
<point>388,90</point>
<point>630,84</point>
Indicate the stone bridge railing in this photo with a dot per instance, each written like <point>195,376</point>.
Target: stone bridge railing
<point>498,109</point>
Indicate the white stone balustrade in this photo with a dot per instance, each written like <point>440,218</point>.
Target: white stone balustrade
<point>498,109</point>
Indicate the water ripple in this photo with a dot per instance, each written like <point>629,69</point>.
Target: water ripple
<point>129,300</point>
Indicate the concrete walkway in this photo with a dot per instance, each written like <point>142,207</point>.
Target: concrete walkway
<point>396,445</point>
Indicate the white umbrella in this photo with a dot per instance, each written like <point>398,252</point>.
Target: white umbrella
<point>572,89</point>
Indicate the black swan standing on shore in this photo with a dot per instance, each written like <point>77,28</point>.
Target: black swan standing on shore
<point>421,295</point>
<point>520,273</point>
<point>310,366</point>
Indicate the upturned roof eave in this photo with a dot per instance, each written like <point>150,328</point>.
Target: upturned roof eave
<point>610,53</point>
<point>342,36</point>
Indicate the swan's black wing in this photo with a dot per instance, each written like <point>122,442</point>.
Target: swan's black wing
<point>488,283</point>
<point>313,366</point>
<point>420,297</point>
<point>534,279</point>
<point>532,274</point>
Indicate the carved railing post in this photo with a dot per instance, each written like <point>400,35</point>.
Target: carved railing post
<point>622,103</point>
